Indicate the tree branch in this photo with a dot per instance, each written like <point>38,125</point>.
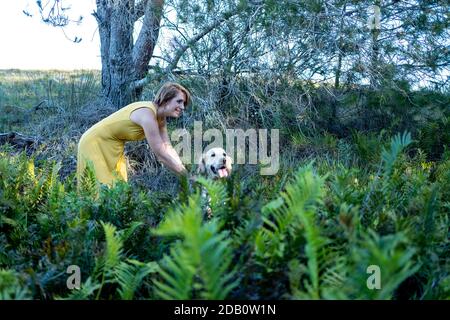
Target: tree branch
<point>18,139</point>
<point>226,16</point>
<point>139,9</point>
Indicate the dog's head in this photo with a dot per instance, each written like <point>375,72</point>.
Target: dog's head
<point>215,164</point>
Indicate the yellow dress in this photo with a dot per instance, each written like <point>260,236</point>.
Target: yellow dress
<point>103,144</point>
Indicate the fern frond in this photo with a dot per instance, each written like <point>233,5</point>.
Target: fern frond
<point>398,143</point>
<point>10,286</point>
<point>392,254</point>
<point>286,215</point>
<point>114,247</point>
<point>198,265</point>
<point>177,271</point>
<point>130,274</point>
<point>125,234</point>
<point>85,292</point>
<point>294,214</point>
<point>216,257</point>
<point>177,219</point>
<point>389,158</point>
<point>89,184</point>
<point>217,193</point>
<point>53,191</point>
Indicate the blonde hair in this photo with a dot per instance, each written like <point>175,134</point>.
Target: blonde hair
<point>169,91</point>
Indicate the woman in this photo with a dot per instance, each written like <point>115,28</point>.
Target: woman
<point>103,144</point>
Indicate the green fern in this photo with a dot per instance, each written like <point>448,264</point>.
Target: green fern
<point>293,214</point>
<point>398,143</point>
<point>88,184</point>
<point>86,291</point>
<point>177,271</point>
<point>198,264</point>
<point>217,194</point>
<point>53,193</point>
<point>395,258</point>
<point>367,146</point>
<point>285,216</point>
<point>11,288</point>
<point>114,247</point>
<point>130,274</point>
<point>389,159</point>
<point>114,239</point>
<point>111,258</point>
<point>112,270</point>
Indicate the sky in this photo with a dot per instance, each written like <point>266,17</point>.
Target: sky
<point>28,43</point>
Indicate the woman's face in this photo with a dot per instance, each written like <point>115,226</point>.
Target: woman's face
<point>175,107</point>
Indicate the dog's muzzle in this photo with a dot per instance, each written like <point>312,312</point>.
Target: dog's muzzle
<point>222,172</point>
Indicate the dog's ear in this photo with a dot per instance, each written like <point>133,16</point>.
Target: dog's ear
<point>201,166</point>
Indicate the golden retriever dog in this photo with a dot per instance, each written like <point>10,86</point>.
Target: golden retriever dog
<point>214,164</point>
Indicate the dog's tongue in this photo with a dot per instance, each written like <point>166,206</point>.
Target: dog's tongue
<point>223,173</point>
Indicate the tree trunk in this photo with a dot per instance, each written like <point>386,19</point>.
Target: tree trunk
<point>375,53</point>
<point>146,42</point>
<point>123,62</point>
<point>340,49</point>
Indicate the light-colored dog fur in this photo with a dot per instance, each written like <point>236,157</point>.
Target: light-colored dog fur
<point>214,164</point>
<point>214,160</point>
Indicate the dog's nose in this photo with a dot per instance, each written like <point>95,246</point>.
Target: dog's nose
<point>224,160</point>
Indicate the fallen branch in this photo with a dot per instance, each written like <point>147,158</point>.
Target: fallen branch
<point>18,140</point>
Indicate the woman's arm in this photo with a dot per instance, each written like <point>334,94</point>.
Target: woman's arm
<point>167,143</point>
<point>147,120</point>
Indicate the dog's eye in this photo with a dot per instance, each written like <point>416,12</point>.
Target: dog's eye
<point>224,154</point>
<point>213,155</point>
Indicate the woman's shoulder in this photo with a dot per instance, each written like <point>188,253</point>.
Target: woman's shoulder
<point>141,104</point>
